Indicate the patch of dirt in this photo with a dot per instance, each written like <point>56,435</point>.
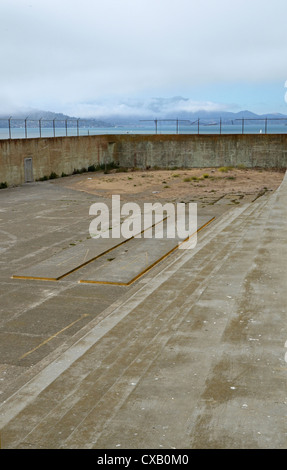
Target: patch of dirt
<point>204,185</point>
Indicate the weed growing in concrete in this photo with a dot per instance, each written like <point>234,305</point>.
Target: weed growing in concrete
<point>104,167</point>
<point>225,169</point>
<point>79,171</point>
<point>241,166</point>
<point>91,168</point>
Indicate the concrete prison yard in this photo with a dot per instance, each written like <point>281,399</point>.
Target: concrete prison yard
<point>137,344</point>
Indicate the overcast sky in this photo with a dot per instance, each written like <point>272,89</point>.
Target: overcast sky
<point>92,57</point>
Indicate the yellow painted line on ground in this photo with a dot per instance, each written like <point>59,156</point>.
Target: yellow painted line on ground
<point>35,278</point>
<point>54,336</point>
<point>93,259</point>
<point>72,270</point>
<point>149,267</point>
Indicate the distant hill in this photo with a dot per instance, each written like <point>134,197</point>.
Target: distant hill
<point>47,117</point>
<point>155,110</point>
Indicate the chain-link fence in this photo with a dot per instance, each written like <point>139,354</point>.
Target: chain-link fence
<point>222,126</point>
<point>16,128</point>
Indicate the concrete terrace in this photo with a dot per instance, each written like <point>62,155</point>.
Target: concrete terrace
<point>189,356</point>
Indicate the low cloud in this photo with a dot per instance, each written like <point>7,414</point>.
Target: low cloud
<point>153,107</point>
<point>86,60</point>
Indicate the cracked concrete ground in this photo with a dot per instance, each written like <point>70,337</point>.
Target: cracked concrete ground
<point>189,356</point>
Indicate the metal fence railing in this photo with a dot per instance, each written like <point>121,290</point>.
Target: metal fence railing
<point>220,126</point>
<point>13,128</point>
<point>27,127</point>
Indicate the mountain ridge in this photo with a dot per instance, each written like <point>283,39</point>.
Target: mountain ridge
<point>115,118</point>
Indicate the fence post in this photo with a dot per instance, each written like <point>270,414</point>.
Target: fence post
<point>40,127</point>
<point>242,125</point>
<point>26,127</point>
<point>265,125</point>
<point>9,121</point>
<point>198,126</point>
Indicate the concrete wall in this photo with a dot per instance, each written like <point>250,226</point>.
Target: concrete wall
<point>64,154</point>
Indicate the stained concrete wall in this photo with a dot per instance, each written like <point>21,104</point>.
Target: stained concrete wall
<point>268,151</point>
<point>64,154</point>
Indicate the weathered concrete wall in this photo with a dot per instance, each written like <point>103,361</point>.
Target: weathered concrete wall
<point>64,154</point>
<point>60,154</point>
<point>268,151</point>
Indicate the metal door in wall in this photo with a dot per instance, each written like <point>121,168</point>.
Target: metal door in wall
<point>28,170</point>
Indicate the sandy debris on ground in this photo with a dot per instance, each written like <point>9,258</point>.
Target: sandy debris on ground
<point>186,185</point>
